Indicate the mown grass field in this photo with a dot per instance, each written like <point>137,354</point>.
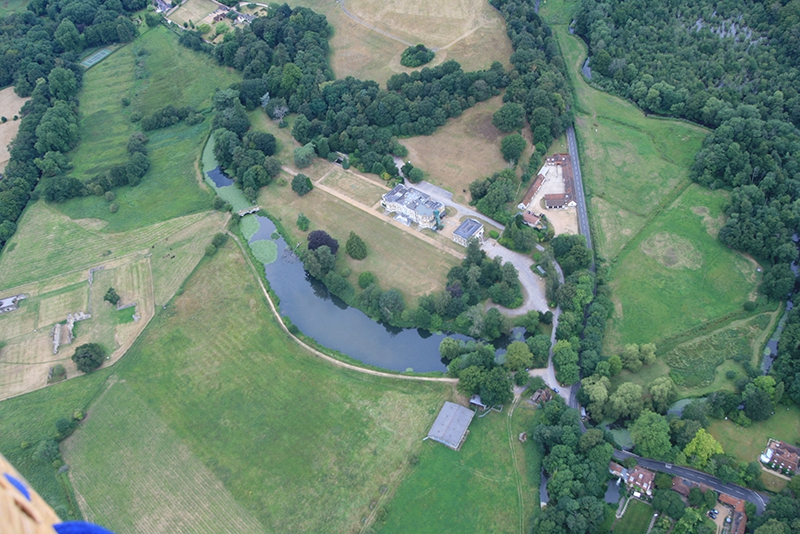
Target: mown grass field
<point>151,72</point>
<point>465,149</point>
<point>298,444</point>
<point>469,31</point>
<point>398,259</point>
<point>747,443</point>
<point>474,489</point>
<point>636,519</point>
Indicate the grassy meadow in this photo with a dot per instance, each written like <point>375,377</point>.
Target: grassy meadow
<point>465,149</point>
<point>470,32</point>
<point>295,443</point>
<point>8,7</point>
<point>490,485</point>
<point>151,72</point>
<point>657,231</point>
<point>636,519</point>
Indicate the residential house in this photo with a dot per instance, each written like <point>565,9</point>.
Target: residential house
<point>779,454</point>
<point>558,202</point>
<point>738,517</point>
<point>641,480</point>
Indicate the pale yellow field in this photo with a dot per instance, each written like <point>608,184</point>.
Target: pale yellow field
<point>463,150</point>
<point>10,105</point>
<point>194,10</point>
<point>52,309</point>
<point>359,189</point>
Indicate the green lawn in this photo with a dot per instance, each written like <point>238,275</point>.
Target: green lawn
<point>151,72</point>
<point>676,275</point>
<point>291,442</point>
<point>747,443</point>
<point>636,519</point>
<point>474,489</point>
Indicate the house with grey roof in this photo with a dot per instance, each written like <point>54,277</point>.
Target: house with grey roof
<point>451,425</point>
<point>413,205</point>
<point>468,229</point>
<point>10,304</point>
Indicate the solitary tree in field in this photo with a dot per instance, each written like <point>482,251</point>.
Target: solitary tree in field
<point>89,357</point>
<point>301,184</point>
<point>355,247</point>
<point>111,296</point>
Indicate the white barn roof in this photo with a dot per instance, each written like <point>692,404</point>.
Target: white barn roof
<point>450,427</point>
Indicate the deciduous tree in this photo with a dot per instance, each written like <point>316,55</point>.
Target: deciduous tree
<point>650,433</point>
<point>89,357</point>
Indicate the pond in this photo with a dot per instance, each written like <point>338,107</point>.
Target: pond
<point>320,315</point>
<point>334,324</point>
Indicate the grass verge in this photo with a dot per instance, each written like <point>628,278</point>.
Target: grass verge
<point>747,443</point>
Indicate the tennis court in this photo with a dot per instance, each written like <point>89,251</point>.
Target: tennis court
<point>96,58</point>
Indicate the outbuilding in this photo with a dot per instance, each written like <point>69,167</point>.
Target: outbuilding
<point>451,425</point>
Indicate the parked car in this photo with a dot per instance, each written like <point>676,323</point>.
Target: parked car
<point>715,511</point>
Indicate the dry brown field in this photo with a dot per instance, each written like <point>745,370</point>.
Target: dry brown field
<point>463,150</point>
<point>10,105</point>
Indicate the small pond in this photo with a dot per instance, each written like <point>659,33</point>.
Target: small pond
<point>219,178</point>
<point>334,324</point>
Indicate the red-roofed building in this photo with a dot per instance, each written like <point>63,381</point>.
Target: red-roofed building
<point>641,479</point>
<point>738,517</point>
<point>781,455</point>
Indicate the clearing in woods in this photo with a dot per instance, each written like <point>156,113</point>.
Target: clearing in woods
<point>296,443</point>
<point>655,229</point>
<point>463,150</point>
<point>469,31</point>
<point>151,72</point>
<point>10,104</point>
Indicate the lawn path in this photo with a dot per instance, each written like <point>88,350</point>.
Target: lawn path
<point>517,476</point>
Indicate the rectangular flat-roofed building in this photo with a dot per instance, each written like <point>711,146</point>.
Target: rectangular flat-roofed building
<point>414,205</point>
<point>452,425</point>
<point>467,230</point>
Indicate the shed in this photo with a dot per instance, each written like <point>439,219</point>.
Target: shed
<point>476,400</point>
<point>451,425</point>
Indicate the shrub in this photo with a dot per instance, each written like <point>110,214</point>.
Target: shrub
<point>111,296</point>
<point>136,116</point>
<point>47,451</point>
<point>366,279</point>
<point>219,240</point>
<point>749,306</point>
<point>730,375</point>
<point>126,102</point>
<point>304,155</point>
<point>494,234</point>
<point>415,175</point>
<point>110,196</point>
<point>211,249</point>
<point>301,184</point>
<point>303,222</point>
<point>355,247</point>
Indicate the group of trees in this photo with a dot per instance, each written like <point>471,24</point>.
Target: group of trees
<point>39,51</point>
<point>577,467</point>
<point>491,195</point>
<point>782,515</point>
<point>730,67</point>
<point>786,367</point>
<point>416,56</point>
<point>473,363</point>
<point>539,82</point>
<point>169,116</point>
<point>245,154</point>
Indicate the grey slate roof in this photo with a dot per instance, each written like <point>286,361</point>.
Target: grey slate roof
<point>467,228</point>
<point>451,425</point>
<point>413,199</point>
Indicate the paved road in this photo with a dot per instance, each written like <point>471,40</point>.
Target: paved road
<point>739,492</point>
<point>583,217</point>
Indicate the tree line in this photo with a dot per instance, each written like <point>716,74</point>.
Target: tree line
<point>732,67</point>
<point>39,51</point>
